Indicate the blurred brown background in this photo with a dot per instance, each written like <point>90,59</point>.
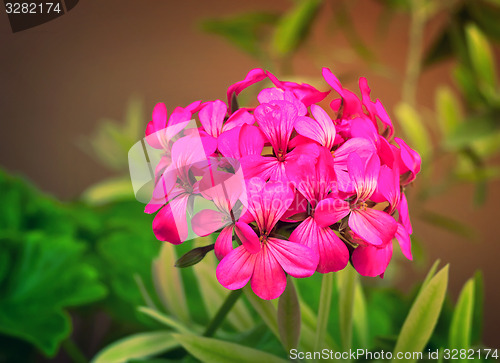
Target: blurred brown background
<point>59,79</point>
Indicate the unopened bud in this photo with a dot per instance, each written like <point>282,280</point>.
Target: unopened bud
<point>194,256</point>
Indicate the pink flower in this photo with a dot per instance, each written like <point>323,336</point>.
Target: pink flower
<point>276,120</point>
<point>177,187</point>
<point>315,182</point>
<point>373,226</point>
<point>264,258</point>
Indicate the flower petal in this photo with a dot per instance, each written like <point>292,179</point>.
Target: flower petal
<point>330,211</point>
<point>371,261</point>
<point>332,252</point>
<point>236,269</point>
<point>208,221</point>
<point>373,226</point>
<point>295,258</point>
<point>248,237</point>
<point>404,241</point>
<point>212,116</point>
<point>224,243</point>
<point>170,223</point>
<point>269,279</point>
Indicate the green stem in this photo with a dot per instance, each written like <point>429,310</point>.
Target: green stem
<point>73,351</point>
<point>222,313</point>
<point>325,301</point>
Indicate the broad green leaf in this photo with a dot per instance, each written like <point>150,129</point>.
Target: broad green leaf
<point>49,275</point>
<point>265,309</point>
<point>209,350</point>
<point>448,109</point>
<point>294,26</point>
<point>142,345</point>
<point>468,85</point>
<point>245,30</point>
<point>347,279</point>
<point>168,283</point>
<point>164,319</point>
<point>289,319</point>
<point>424,313</point>
<point>214,294</point>
<point>323,310</point>
<point>109,190</point>
<point>122,254</point>
<point>461,323</point>
<point>482,59</point>
<point>413,128</point>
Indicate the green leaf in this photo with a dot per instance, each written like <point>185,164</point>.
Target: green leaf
<point>477,320</point>
<point>123,253</point>
<point>461,323</point>
<point>430,274</point>
<point>168,283</point>
<point>265,309</point>
<point>448,109</point>
<point>413,128</point>
<point>164,319</point>
<point>142,345</point>
<point>289,320</point>
<point>482,59</point>
<point>424,313</point>
<point>294,26</point>
<point>474,129</point>
<point>244,31</point>
<point>347,279</point>
<point>209,350</point>
<point>48,276</point>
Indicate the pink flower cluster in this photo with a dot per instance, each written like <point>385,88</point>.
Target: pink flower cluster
<point>296,187</point>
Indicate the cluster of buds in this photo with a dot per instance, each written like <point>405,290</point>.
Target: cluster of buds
<point>288,187</point>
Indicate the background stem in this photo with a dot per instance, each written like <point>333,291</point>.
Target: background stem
<point>222,313</point>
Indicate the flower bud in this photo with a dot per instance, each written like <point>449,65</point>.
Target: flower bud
<point>194,256</point>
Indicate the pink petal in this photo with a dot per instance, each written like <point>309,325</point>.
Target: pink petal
<point>296,259</point>
<point>208,221</point>
<point>410,159</point>
<point>404,214</point>
<point>388,187</point>
<point>239,118</point>
<point>277,120</point>
<point>333,253</point>
<point>404,241</point>
<point>160,116</point>
<point>228,143</point>
<point>269,279</point>
<point>268,203</point>
<point>330,211</point>
<point>299,205</point>
<point>248,237</point>
<point>364,177</point>
<point>254,76</point>
<point>251,140</point>
<point>371,261</point>
<point>212,116</point>
<point>236,268</point>
<point>224,243</point>
<point>170,223</point>
<point>373,226</point>
<point>265,167</point>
